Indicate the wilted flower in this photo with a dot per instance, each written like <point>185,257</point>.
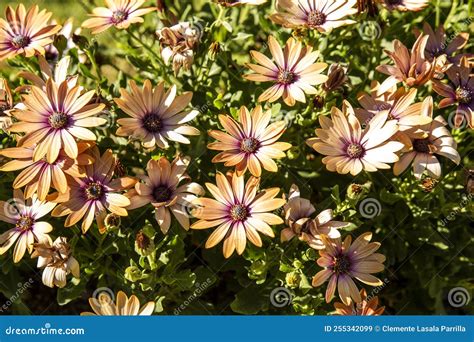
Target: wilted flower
<point>411,68</point>
<point>156,116</point>
<point>293,73</point>
<point>53,118</point>
<point>232,3</point>
<point>104,306</point>
<point>399,105</point>
<point>112,221</point>
<point>178,43</point>
<point>349,148</point>
<point>460,91</point>
<point>25,33</point>
<point>28,230</point>
<point>6,105</point>
<point>470,181</point>
<point>367,307</point>
<point>428,184</point>
<point>91,196</point>
<point>57,261</point>
<point>214,49</point>
<point>118,13</point>
<point>322,15</point>
<point>298,212</point>
<point>162,189</point>
<point>337,77</point>
<point>250,142</point>
<point>439,47</point>
<point>405,5</point>
<point>421,149</point>
<point>239,211</point>
<point>144,245</point>
<point>39,176</point>
<point>343,261</point>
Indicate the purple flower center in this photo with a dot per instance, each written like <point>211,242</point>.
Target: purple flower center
<point>422,145</point>
<point>249,145</point>
<point>152,122</point>
<point>162,193</point>
<point>58,120</point>
<point>238,212</point>
<point>286,76</point>
<point>463,95</point>
<point>342,264</point>
<point>20,41</point>
<point>24,223</point>
<point>316,18</point>
<point>119,16</point>
<point>355,150</point>
<point>94,191</point>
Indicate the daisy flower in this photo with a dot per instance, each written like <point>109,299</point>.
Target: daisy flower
<point>54,117</point>
<point>92,196</point>
<point>239,211</point>
<point>411,68</point>
<point>293,72</point>
<point>399,105</point>
<point>367,307</point>
<point>118,13</point>
<point>39,176</point>
<point>421,149</point>
<point>321,15</point>
<point>25,33</point>
<point>6,105</point>
<point>443,48</point>
<point>250,142</point>
<point>162,189</point>
<point>156,115</point>
<point>298,212</point>
<point>349,148</point>
<point>24,215</point>
<point>405,5</point>
<point>57,262</point>
<point>343,261</point>
<point>104,305</point>
<point>459,91</point>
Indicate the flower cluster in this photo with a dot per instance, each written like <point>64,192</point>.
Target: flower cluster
<point>88,153</point>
